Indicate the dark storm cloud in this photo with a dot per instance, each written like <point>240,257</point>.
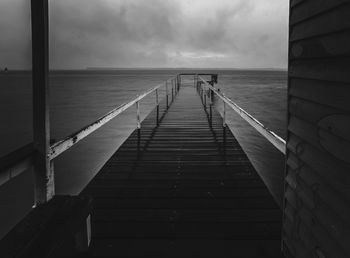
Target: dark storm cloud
<point>156,33</point>
<point>118,34</point>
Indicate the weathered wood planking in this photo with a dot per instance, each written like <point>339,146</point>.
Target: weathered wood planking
<point>316,211</point>
<point>184,188</point>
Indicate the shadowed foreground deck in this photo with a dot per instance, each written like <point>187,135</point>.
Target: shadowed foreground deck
<point>184,188</point>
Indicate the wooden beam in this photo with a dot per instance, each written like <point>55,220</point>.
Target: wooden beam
<point>44,177</point>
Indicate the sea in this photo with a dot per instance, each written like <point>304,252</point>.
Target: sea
<point>79,97</point>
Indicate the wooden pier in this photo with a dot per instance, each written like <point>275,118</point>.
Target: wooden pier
<point>182,188</point>
<point>181,185</point>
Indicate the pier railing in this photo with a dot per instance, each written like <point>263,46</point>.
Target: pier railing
<point>272,137</point>
<point>22,159</point>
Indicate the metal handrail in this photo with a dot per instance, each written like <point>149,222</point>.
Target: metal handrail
<point>66,143</point>
<point>272,137</point>
<point>21,159</point>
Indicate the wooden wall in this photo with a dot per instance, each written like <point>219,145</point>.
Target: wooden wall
<point>316,218</point>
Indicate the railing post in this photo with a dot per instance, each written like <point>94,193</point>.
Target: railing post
<point>138,119</point>
<point>224,116</point>
<point>210,105</point>
<point>43,169</point>
<point>175,86</point>
<point>172,90</point>
<point>166,91</point>
<point>157,103</point>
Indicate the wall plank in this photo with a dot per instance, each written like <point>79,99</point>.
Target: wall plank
<point>310,177</point>
<point>324,164</point>
<point>332,21</point>
<point>334,45</point>
<point>328,93</point>
<point>311,8</point>
<point>337,70</point>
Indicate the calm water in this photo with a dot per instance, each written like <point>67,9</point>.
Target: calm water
<point>79,98</point>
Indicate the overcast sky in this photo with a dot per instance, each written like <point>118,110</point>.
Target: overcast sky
<point>151,33</point>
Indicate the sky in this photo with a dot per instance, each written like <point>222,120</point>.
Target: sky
<point>150,34</point>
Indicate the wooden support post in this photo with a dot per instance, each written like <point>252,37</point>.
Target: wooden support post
<point>224,116</point>
<point>157,103</point>
<point>166,92</point>
<point>172,90</point>
<point>138,119</point>
<point>44,176</point>
<point>175,85</point>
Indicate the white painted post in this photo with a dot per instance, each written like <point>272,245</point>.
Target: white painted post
<point>157,102</point>
<point>166,92</point>
<point>224,115</point>
<point>138,119</point>
<point>157,106</point>
<point>44,188</point>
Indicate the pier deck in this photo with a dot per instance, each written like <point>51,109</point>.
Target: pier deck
<point>184,188</point>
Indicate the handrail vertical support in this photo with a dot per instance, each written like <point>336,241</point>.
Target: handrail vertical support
<point>43,169</point>
<point>172,91</point>
<point>157,104</point>
<point>166,92</point>
<point>138,119</point>
<point>224,116</point>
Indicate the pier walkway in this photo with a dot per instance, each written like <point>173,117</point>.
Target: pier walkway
<point>182,188</point>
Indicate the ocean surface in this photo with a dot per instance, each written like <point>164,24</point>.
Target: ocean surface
<point>78,98</point>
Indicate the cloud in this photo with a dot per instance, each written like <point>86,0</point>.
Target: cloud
<point>162,33</point>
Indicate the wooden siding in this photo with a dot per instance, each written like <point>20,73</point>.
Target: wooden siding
<point>317,193</point>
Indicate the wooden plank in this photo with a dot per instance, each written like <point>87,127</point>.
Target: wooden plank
<point>313,234</point>
<point>333,21</point>
<point>325,190</point>
<point>43,170</point>
<point>331,137</point>
<point>324,164</point>
<point>329,93</point>
<point>333,70</point>
<point>328,46</point>
<point>185,248</point>
<point>312,8</point>
<point>331,223</point>
<point>294,3</point>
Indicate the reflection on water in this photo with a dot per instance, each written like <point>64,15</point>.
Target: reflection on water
<point>79,98</point>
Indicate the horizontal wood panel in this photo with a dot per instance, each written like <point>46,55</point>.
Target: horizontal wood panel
<point>311,8</point>
<point>336,228</point>
<point>328,46</point>
<point>336,70</point>
<point>331,94</point>
<point>333,21</point>
<point>322,163</point>
<point>311,233</point>
<point>335,142</point>
<point>325,189</point>
<point>293,3</point>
